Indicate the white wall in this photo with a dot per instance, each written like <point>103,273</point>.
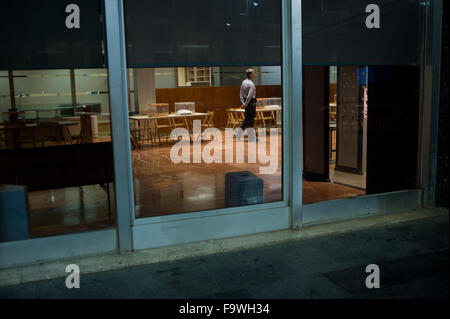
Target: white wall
<point>44,88</point>
<point>35,89</point>
<point>91,86</point>
<point>270,75</point>
<point>144,88</point>
<point>165,78</point>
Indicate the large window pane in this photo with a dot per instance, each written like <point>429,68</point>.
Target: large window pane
<point>206,55</point>
<point>163,186</point>
<point>56,157</point>
<point>361,98</point>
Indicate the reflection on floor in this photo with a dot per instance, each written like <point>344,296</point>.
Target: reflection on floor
<point>162,188</point>
<point>314,192</point>
<point>349,179</point>
<point>68,210</point>
<point>341,185</point>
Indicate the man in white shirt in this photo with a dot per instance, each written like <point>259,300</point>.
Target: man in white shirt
<point>248,100</point>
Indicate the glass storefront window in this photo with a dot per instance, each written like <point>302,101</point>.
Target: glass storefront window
<point>188,65</point>
<point>60,151</point>
<point>164,186</point>
<point>55,143</point>
<point>187,110</point>
<point>361,98</point>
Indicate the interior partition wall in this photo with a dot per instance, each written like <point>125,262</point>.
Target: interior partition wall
<point>133,233</point>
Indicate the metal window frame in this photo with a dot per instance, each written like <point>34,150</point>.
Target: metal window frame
<point>430,100</point>
<point>188,227</point>
<point>289,213</point>
<point>134,233</point>
<point>120,128</point>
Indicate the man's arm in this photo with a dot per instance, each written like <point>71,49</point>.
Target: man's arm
<point>250,94</point>
<point>241,94</point>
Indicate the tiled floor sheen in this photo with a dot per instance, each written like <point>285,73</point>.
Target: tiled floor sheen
<point>161,188</point>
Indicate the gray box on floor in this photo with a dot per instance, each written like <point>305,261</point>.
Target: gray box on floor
<point>243,188</point>
<point>13,213</point>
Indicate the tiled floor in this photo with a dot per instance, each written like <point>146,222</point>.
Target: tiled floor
<point>162,188</point>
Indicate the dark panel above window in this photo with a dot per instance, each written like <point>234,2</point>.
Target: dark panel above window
<point>34,35</point>
<point>248,32</point>
<point>209,32</point>
<point>335,32</point>
<point>203,32</point>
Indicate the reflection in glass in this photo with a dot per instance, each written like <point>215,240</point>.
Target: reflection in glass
<point>56,149</point>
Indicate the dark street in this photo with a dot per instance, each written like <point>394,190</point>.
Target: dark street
<point>412,257</point>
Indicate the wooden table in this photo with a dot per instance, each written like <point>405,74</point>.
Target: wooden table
<point>168,116</point>
<point>12,130</point>
<point>268,108</point>
<point>139,119</point>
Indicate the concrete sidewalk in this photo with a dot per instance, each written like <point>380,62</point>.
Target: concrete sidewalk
<point>412,256</point>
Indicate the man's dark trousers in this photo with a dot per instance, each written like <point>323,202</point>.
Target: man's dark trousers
<point>250,113</point>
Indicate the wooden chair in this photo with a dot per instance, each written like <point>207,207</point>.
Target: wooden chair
<point>143,132</point>
<point>49,132</point>
<point>230,119</point>
<point>238,117</point>
<point>65,131</point>
<point>259,120</point>
<point>273,118</point>
<point>134,135</point>
<point>28,135</point>
<point>332,112</point>
<point>267,118</point>
<point>208,120</point>
<point>86,130</point>
<point>181,123</point>
<point>147,131</point>
<point>162,125</point>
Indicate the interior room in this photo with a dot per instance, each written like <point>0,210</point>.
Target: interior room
<point>360,135</point>
<point>161,100</point>
<point>335,132</point>
<point>360,130</point>
<point>55,139</point>
<point>170,98</point>
<point>53,109</point>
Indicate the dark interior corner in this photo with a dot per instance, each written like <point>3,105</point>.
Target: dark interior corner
<point>442,156</point>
